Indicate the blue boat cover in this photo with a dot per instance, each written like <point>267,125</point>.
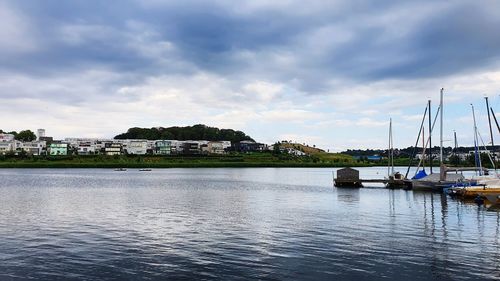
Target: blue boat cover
<point>419,175</point>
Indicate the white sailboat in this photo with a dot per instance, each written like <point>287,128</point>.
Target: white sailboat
<point>393,179</point>
<point>436,182</point>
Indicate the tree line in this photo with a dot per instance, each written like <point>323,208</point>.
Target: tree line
<point>196,132</point>
<point>25,135</point>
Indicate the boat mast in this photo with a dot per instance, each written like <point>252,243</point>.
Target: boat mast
<point>441,127</point>
<point>416,143</point>
<point>392,152</point>
<point>430,137</point>
<point>495,118</point>
<point>389,150</point>
<point>489,123</point>
<point>477,156</point>
<point>423,148</point>
<point>456,147</point>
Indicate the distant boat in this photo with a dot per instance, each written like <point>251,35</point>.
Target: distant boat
<point>120,169</point>
<point>145,170</point>
<point>394,179</point>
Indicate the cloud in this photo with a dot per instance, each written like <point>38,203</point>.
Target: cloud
<point>336,70</point>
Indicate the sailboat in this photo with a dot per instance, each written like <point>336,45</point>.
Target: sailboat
<point>393,179</point>
<point>436,182</point>
<point>483,184</point>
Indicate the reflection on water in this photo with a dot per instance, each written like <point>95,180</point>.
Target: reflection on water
<point>348,195</point>
<point>271,224</point>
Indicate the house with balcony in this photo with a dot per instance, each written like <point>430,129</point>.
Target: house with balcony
<point>35,147</point>
<point>86,148</point>
<point>136,147</point>
<point>6,147</point>
<point>6,137</point>
<point>248,146</point>
<point>176,147</point>
<point>57,148</point>
<point>113,148</point>
<point>191,148</point>
<point>216,147</point>
<point>163,147</point>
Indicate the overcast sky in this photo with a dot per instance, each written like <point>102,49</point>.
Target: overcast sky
<point>329,73</point>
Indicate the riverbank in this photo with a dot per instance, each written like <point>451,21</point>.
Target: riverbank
<point>146,161</point>
<point>241,160</point>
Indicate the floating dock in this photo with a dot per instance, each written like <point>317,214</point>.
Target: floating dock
<point>349,177</point>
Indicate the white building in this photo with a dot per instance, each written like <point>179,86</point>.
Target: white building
<point>86,148</point>
<point>6,137</point>
<point>6,147</point>
<point>34,147</point>
<point>216,147</point>
<point>137,147</point>
<point>40,133</point>
<point>113,148</point>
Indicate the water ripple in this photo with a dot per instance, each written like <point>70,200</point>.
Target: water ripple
<point>235,224</point>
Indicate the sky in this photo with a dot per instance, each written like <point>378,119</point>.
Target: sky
<point>325,73</point>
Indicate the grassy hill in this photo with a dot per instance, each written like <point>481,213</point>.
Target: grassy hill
<point>319,153</point>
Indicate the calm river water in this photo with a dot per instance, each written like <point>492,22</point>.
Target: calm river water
<point>272,224</point>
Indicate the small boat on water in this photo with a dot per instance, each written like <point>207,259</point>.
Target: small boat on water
<point>120,169</point>
<point>145,170</point>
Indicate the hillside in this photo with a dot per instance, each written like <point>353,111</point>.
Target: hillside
<point>319,153</point>
<point>196,132</point>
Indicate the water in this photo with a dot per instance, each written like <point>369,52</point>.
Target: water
<point>271,224</point>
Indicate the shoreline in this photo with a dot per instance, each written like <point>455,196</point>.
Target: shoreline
<point>173,165</point>
<point>228,161</point>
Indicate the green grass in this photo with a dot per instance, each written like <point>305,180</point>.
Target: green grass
<point>233,160</point>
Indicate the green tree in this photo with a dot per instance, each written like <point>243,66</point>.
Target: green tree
<point>276,148</point>
<point>26,135</point>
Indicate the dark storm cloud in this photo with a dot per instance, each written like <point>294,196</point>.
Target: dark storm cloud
<point>208,36</point>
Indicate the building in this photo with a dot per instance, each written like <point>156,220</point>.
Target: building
<point>248,146</point>
<point>176,147</point>
<point>216,147</point>
<point>40,133</point>
<point>137,147</point>
<point>34,147</point>
<point>100,146</point>
<point>6,147</point>
<point>295,152</point>
<point>163,147</point>
<point>58,149</point>
<point>6,137</point>
<point>113,148</point>
<point>86,148</point>
<point>47,140</point>
<point>191,148</point>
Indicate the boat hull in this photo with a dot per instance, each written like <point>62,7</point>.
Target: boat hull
<point>474,191</point>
